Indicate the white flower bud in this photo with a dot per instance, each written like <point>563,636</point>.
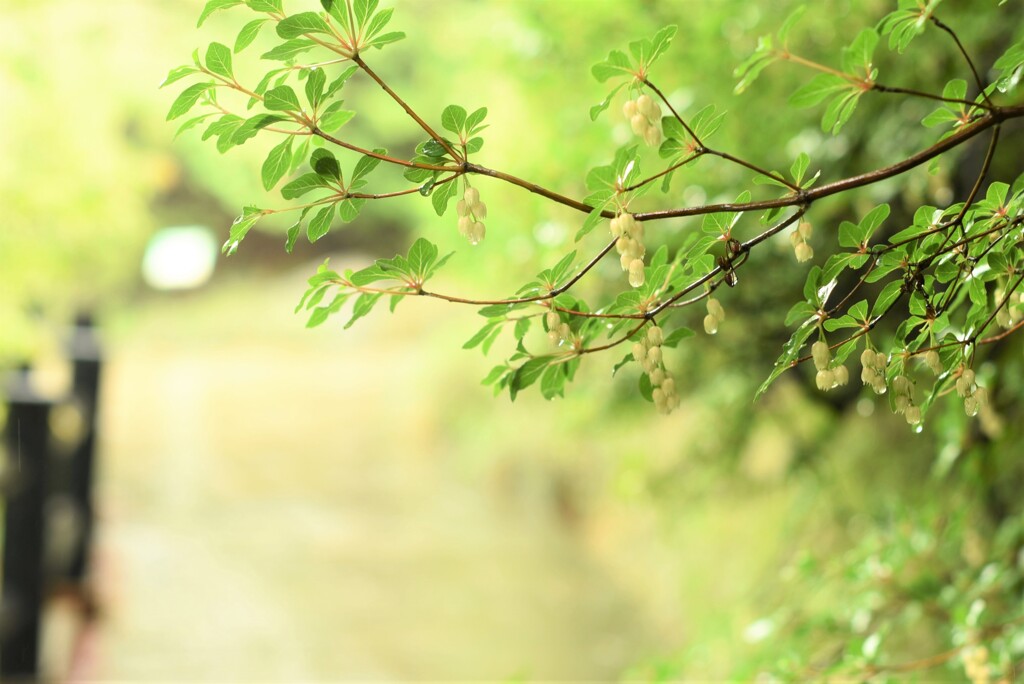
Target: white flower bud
<point>477,233</point>
<point>617,227</point>
<point>971,406</point>
<point>867,376</point>
<point>805,229</point>
<point>842,376</point>
<point>981,395</point>
<point>554,337</point>
<point>655,336</point>
<point>652,136</point>
<point>804,252</point>
<point>636,272</point>
<point>654,355</point>
<point>648,107</point>
<point>460,207</point>
<point>669,385</point>
<point>822,354</point>
<point>715,309</point>
<point>657,377</point>
<point>629,109</point>
<point>824,379</point>
<point>867,358</point>
<point>881,360</point>
<point>710,324</point>
<point>659,399</point>
<point>622,245</point>
<point>639,352</point>
<point>933,361</point>
<point>639,124</point>
<point>901,385</point>
<point>901,402</point>
<point>878,384</point>
<point>629,224</point>
<point>635,249</point>
<point>471,196</point>
<point>564,331</point>
<point>795,239</point>
<point>552,319</point>
<point>625,259</point>
<point>479,210</point>
<point>913,415</point>
<point>465,225</point>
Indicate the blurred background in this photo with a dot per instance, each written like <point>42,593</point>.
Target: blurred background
<point>278,503</point>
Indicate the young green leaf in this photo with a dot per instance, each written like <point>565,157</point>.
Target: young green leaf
<point>187,100</point>
<point>277,163</point>
<point>315,83</point>
<point>289,50</point>
<point>248,34</point>
<point>282,99</point>
<point>298,25</point>
<point>320,224</point>
<point>214,5</point>
<point>218,60</point>
<point>265,6</point>
<point>453,119</point>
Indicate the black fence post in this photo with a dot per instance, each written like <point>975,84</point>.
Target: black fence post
<point>26,435</point>
<point>84,350</point>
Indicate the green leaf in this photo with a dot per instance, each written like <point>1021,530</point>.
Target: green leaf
<point>889,294</point>
<point>277,163</point>
<point>819,88</point>
<point>363,10</point>
<point>552,383</point>
<point>303,184</point>
<point>593,218</point>
<point>338,9</point>
<point>292,236</point>
<point>282,99</point>
<point>453,119</point>
<point>596,110</point>
<point>254,125</point>
<point>289,50</point>
<point>751,68</point>
<point>315,83</point>
<point>441,195</point>
<point>265,6</point>
<point>320,224</point>
<point>214,5</point>
<point>856,59</point>
<point>528,373</point>
<point>334,118</point>
<point>799,168</point>
<point>366,164</point>
<point>340,81</point>
<point>617,64</point>
<point>192,123</point>
<point>248,34</point>
<point>422,256</point>
<point>660,43</point>
<point>839,111</point>
<point>385,39</point>
<point>218,60</point>
<point>240,228</point>
<point>673,339</point>
<point>364,304</point>
<point>187,100</point>
<point>348,209</point>
<point>377,24</point>
<point>178,73</point>
<point>326,165</point>
<point>298,25</point>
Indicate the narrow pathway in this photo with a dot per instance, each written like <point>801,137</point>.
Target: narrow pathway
<point>283,505</point>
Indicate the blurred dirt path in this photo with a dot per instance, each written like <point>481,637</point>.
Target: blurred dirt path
<point>284,505</point>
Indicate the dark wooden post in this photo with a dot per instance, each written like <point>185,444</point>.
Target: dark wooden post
<point>26,436</point>
<point>84,351</point>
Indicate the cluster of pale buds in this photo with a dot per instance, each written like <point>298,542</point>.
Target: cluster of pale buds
<point>827,376</point>
<point>873,372</point>
<point>976,665</point>
<point>558,331</point>
<point>644,116</point>
<point>798,238</point>
<point>716,314</point>
<point>974,397</point>
<point>1012,312</point>
<point>472,212</point>
<point>629,243</point>
<point>647,352</point>
<point>903,399</point>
